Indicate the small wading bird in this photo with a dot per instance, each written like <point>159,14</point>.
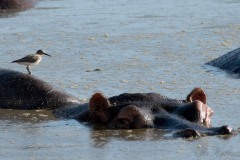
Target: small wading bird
<point>31,60</point>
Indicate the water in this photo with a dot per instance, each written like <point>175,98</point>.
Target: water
<point>139,46</point>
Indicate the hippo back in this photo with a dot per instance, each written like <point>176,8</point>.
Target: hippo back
<point>17,4</point>
<point>23,91</point>
<point>229,62</point>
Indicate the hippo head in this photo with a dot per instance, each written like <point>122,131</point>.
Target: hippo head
<point>142,113</point>
<point>185,116</point>
<point>120,116</point>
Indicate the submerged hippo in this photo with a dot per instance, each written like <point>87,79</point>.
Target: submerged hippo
<point>146,110</point>
<point>23,91</point>
<point>140,110</point>
<point>229,62</point>
<point>17,4</point>
<point>10,8</point>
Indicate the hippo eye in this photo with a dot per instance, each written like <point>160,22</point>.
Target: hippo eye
<point>122,123</point>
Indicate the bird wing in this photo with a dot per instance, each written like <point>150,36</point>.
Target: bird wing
<point>29,58</point>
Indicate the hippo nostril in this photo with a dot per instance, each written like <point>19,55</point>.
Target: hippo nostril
<point>187,133</point>
<point>122,123</point>
<point>226,130</point>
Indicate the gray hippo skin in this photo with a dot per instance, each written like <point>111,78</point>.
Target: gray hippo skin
<point>190,117</point>
<point>23,91</point>
<point>229,62</point>
<point>17,4</point>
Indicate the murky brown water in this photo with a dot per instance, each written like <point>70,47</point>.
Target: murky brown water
<point>139,46</point>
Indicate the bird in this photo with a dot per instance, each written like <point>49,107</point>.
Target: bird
<point>31,59</point>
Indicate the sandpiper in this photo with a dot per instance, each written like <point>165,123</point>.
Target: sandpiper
<point>31,60</point>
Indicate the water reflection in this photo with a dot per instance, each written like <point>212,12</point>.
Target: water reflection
<point>219,72</point>
<point>9,13</point>
<point>31,116</point>
<point>101,137</point>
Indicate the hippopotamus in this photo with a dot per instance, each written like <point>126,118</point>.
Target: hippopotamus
<point>229,62</point>
<point>190,117</point>
<point>17,4</point>
<point>22,91</point>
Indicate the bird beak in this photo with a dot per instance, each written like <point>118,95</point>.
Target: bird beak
<point>46,54</point>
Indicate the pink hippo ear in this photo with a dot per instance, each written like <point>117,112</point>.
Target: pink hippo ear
<point>98,103</point>
<point>197,94</point>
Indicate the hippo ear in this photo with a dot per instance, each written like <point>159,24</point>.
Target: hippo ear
<point>197,94</point>
<point>98,103</point>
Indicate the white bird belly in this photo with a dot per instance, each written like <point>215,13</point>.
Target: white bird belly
<point>30,64</point>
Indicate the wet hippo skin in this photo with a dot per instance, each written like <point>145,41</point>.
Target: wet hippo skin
<point>229,62</point>
<point>17,4</point>
<point>190,117</point>
<point>23,91</point>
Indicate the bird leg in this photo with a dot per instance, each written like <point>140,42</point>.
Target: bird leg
<point>28,69</point>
